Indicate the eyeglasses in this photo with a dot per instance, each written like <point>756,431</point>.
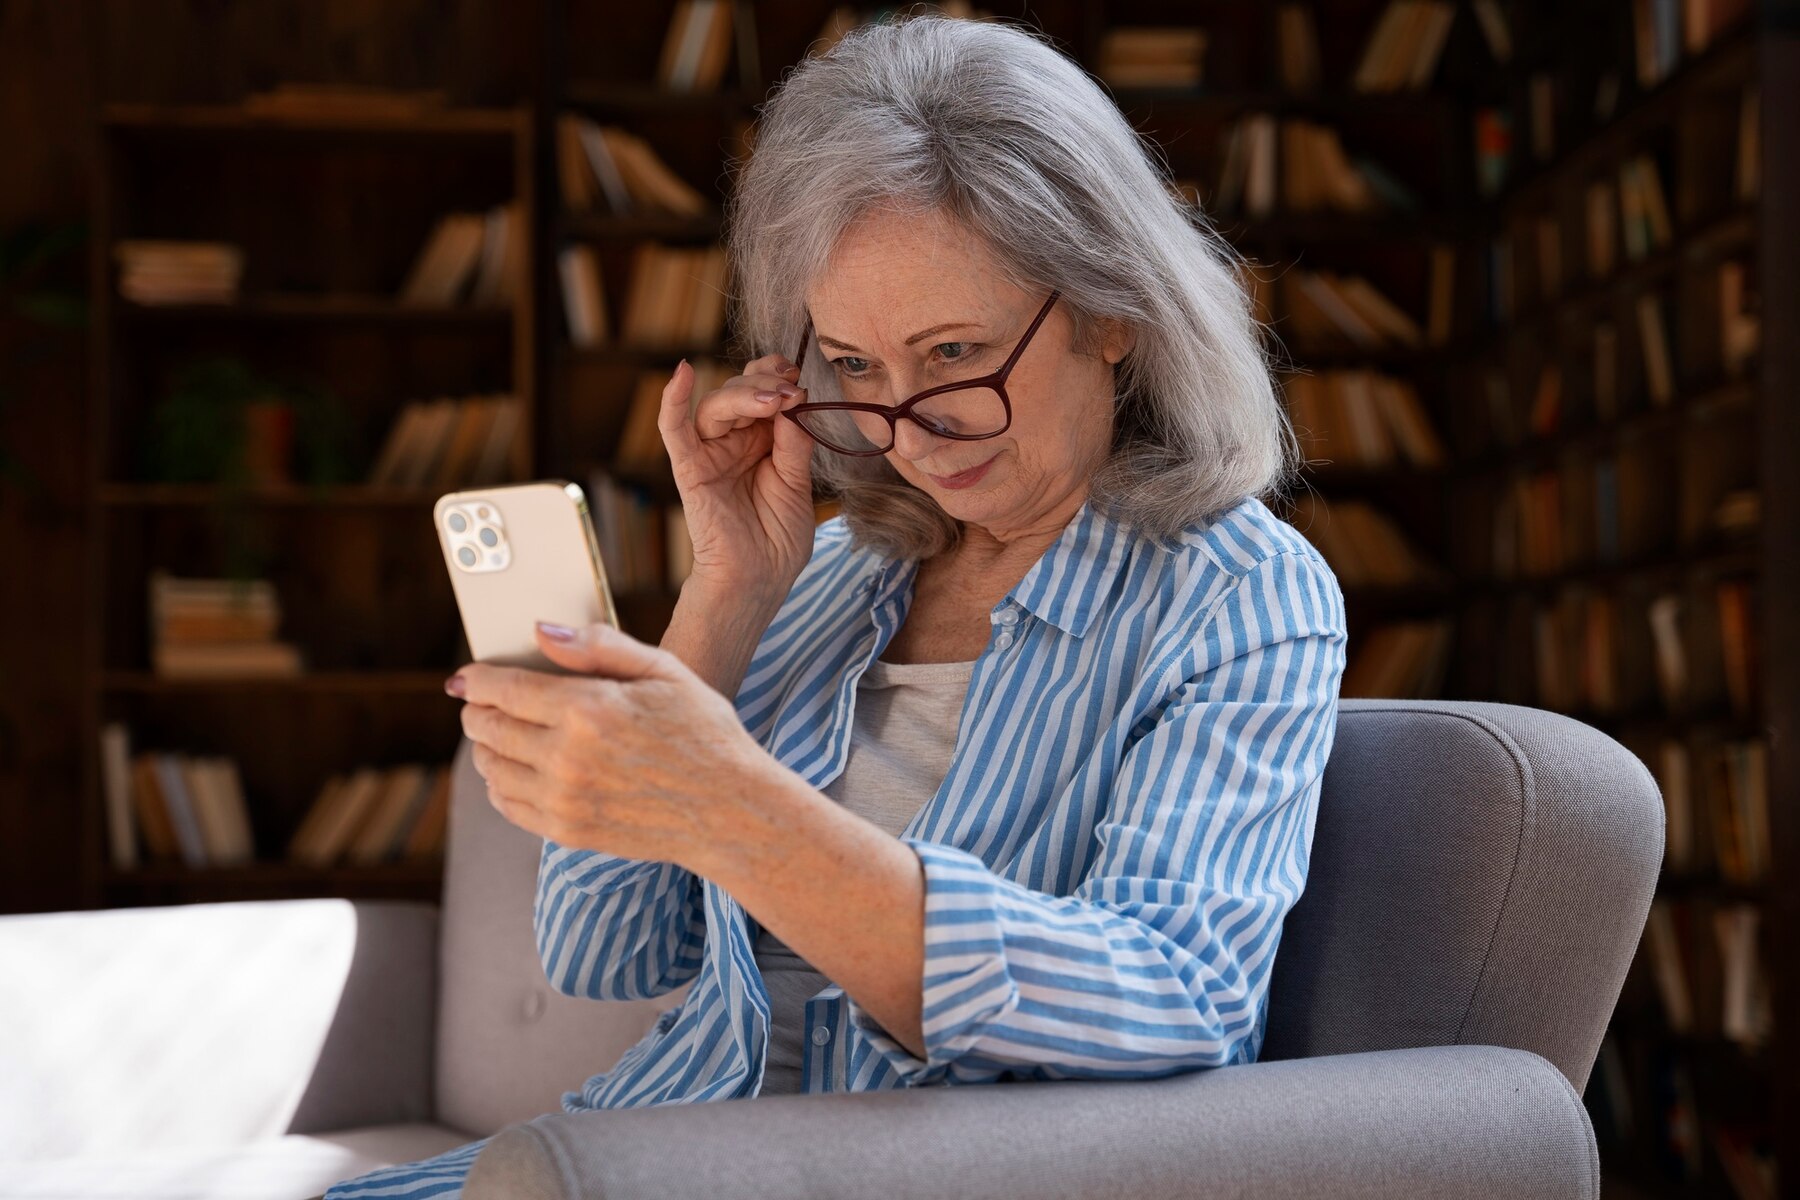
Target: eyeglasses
<point>970,410</point>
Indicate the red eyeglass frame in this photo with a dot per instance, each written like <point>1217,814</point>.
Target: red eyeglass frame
<point>995,382</point>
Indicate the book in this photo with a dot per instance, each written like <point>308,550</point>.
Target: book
<point>375,837</point>
<point>1673,769</point>
<point>443,267</point>
<point>1659,373</point>
<point>498,269</point>
<point>1670,972</point>
<point>427,835</point>
<point>335,818</point>
<point>151,810</point>
<point>584,300</point>
<point>115,767</point>
<point>163,271</point>
<point>173,787</point>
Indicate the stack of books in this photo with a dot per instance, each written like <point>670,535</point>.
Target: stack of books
<point>1152,56</point>
<point>606,165</point>
<point>1402,52</point>
<point>1364,548</point>
<point>1330,307</point>
<point>645,545</point>
<point>451,442</point>
<point>1403,660</point>
<point>677,295</point>
<point>169,272</point>
<point>375,814</point>
<point>217,628</point>
<point>472,258</point>
<point>641,451</point>
<point>168,806</point>
<point>1362,418</point>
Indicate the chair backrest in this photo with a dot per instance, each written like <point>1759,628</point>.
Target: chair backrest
<point>1481,874</point>
<point>508,1044</point>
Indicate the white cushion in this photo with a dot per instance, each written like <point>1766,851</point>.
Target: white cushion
<point>294,1167</point>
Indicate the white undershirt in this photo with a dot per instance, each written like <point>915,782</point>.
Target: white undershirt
<point>902,735</point>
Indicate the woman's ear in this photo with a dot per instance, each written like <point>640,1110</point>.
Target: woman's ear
<point>1119,339</point>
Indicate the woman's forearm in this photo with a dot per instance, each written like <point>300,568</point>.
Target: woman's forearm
<point>839,891</point>
<point>715,631</point>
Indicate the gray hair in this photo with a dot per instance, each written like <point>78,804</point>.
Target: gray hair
<point>989,123</point>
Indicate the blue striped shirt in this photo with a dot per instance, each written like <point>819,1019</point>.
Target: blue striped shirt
<point>1125,822</point>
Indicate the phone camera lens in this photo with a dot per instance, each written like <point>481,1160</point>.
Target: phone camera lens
<point>466,556</point>
<point>457,522</point>
<point>489,537</point>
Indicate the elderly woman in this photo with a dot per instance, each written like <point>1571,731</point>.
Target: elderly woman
<point>1024,761</point>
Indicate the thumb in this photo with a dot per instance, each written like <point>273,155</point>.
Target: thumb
<point>602,649</point>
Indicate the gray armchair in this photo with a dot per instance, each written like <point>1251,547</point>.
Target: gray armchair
<point>1480,877</point>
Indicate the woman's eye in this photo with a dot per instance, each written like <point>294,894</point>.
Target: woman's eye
<point>954,357</point>
<point>849,365</point>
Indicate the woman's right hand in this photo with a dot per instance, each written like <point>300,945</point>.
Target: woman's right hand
<point>745,475</point>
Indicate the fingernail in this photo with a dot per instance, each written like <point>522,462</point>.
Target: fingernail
<point>456,685</point>
<point>787,389</point>
<point>681,364</point>
<point>764,396</point>
<point>556,633</point>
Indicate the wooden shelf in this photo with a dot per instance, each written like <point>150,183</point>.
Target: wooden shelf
<point>1428,105</point>
<point>425,682</point>
<point>669,226</point>
<point>1715,237</point>
<point>648,97</point>
<point>639,354</point>
<point>338,495</point>
<point>1731,60</point>
<point>231,121</point>
<point>298,308</point>
<point>1732,396</point>
<point>1718,561</point>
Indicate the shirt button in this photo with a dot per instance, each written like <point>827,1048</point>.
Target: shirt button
<point>1003,641</point>
<point>820,1035</point>
<point>1008,617</point>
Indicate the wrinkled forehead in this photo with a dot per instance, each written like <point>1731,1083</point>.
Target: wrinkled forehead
<point>892,272</point>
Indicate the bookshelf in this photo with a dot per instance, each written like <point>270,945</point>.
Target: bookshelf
<point>329,211</point>
<point>1478,625</point>
<point>1608,481</point>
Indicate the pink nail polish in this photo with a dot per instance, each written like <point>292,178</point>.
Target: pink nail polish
<point>456,685</point>
<point>556,633</point>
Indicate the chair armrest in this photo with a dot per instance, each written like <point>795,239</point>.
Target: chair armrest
<point>212,1024</point>
<point>1481,1122</point>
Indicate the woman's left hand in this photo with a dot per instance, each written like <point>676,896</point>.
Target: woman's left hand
<point>637,756</point>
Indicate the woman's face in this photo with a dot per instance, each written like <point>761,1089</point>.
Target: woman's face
<point>893,276</point>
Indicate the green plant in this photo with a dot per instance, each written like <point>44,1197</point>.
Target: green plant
<point>198,433</point>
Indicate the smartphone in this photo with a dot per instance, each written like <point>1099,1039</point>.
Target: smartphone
<point>518,554</point>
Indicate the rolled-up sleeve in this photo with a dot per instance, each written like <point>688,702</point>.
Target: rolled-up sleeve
<point>1159,960</point>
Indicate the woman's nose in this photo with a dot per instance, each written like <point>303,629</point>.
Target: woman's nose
<point>912,442</point>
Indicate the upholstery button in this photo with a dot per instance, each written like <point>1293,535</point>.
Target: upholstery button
<point>534,1005</point>
<point>820,1035</point>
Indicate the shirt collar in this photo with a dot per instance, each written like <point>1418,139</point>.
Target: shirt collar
<point>1068,584</point>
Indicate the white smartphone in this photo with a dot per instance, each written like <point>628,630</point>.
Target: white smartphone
<point>518,554</point>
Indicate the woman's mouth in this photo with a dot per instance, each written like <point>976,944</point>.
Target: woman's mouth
<point>966,478</point>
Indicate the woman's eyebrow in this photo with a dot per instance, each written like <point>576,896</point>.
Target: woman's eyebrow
<point>923,333</point>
